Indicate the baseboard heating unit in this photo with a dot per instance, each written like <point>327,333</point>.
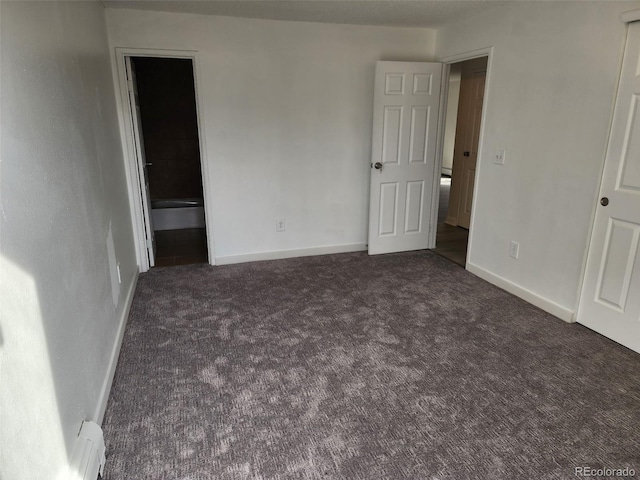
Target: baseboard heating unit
<point>88,458</point>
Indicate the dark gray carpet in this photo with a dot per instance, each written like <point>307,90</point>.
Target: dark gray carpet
<point>358,367</point>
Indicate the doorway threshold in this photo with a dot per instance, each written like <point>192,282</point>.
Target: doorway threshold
<point>451,243</point>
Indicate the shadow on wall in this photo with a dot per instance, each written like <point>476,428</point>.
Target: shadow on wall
<point>63,184</point>
<point>27,393</point>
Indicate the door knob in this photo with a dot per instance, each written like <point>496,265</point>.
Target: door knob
<point>466,154</point>
<point>604,201</point>
<point>378,166</point>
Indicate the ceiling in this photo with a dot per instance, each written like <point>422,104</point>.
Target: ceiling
<point>395,13</point>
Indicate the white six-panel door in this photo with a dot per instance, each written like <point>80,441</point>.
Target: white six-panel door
<point>138,140</point>
<point>610,300</point>
<point>405,128</point>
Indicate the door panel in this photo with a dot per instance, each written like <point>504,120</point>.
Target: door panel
<point>418,141</point>
<point>388,208</point>
<point>138,141</point>
<point>405,122</point>
<point>414,207</point>
<point>630,169</point>
<point>621,249</point>
<point>610,299</point>
<point>391,134</point>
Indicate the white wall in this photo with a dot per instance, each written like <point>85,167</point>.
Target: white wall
<point>552,82</point>
<point>64,225</point>
<point>287,112</point>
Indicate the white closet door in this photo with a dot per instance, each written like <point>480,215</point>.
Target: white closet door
<point>610,300</point>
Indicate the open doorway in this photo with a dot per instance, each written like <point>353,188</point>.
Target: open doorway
<point>170,152</point>
<point>460,154</point>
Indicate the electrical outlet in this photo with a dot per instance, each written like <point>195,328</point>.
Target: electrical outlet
<point>514,249</point>
<point>500,157</point>
<point>280,227</point>
<point>118,270</point>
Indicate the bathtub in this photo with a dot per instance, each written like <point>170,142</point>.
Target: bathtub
<point>175,214</point>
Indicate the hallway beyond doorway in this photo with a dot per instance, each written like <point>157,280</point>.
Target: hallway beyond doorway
<point>451,242</point>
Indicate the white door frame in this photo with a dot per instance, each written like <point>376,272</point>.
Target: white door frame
<point>131,161</point>
<point>461,57</point>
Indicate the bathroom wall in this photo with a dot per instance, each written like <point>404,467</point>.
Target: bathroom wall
<point>170,127</point>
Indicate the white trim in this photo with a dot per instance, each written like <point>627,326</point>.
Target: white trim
<point>545,304</point>
<point>298,252</point>
<point>207,181</point>
<point>631,16</point>
<point>479,162</point>
<point>115,353</point>
<point>437,172</point>
<point>131,164</point>
<point>133,180</point>
<point>137,142</point>
<point>470,55</point>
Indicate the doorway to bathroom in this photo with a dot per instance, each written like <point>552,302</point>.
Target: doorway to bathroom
<point>169,153</point>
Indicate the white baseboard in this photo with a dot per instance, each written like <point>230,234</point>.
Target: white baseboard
<point>115,353</point>
<point>299,252</point>
<point>527,295</point>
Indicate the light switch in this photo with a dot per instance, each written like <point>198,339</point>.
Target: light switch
<point>500,156</point>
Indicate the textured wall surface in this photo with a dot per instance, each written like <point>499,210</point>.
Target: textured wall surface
<point>551,87</point>
<point>352,12</point>
<point>65,224</point>
<point>286,109</point>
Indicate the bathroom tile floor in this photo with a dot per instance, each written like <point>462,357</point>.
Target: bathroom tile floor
<point>181,247</point>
